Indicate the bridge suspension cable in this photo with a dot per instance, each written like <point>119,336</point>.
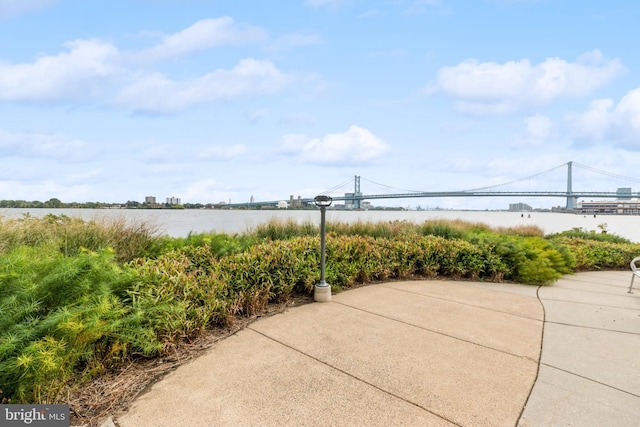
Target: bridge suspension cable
<point>392,188</point>
<point>518,180</point>
<point>480,188</point>
<point>613,175</point>
<point>337,187</point>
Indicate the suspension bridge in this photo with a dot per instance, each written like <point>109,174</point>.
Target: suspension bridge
<point>354,197</point>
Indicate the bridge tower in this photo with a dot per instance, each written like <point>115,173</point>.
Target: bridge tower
<point>356,193</point>
<point>569,187</point>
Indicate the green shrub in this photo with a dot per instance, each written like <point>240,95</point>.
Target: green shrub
<point>528,260</point>
<point>596,255</point>
<point>179,294</point>
<point>355,259</point>
<point>58,313</point>
<point>580,233</point>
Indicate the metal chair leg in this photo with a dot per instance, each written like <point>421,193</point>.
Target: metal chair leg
<point>630,291</point>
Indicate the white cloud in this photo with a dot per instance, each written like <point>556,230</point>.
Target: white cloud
<point>595,123</point>
<point>607,122</point>
<point>44,146</point>
<point>202,35</point>
<point>95,70</point>
<point>355,146</point>
<point>158,94</point>
<point>13,8</point>
<point>492,88</point>
<point>87,67</point>
<point>222,153</point>
<point>539,129</point>
<point>75,74</point>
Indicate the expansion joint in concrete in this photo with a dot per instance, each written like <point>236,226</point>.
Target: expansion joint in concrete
<point>590,379</point>
<point>510,313</point>
<point>387,392</point>
<point>438,332</point>
<point>533,384</point>
<point>594,328</point>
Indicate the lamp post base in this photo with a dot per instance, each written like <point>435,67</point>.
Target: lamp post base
<point>322,293</point>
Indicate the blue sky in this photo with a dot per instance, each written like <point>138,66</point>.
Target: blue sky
<point>222,100</point>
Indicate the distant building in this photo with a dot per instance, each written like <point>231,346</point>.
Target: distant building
<point>150,200</point>
<point>282,205</point>
<point>173,201</point>
<point>295,203</point>
<point>623,193</point>
<point>519,207</point>
<point>619,207</point>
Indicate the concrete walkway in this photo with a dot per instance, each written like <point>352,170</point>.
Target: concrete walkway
<point>421,353</point>
<point>590,367</point>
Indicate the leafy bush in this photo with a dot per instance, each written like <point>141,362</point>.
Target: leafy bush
<point>179,294</point>
<point>597,255</point>
<point>528,260</point>
<point>58,313</point>
<point>580,233</point>
<point>269,272</point>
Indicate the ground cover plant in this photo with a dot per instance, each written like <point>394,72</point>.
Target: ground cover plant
<point>80,299</point>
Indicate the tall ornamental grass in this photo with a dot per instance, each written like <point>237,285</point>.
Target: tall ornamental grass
<point>129,240</point>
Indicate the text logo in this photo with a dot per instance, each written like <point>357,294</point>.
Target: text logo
<point>34,415</point>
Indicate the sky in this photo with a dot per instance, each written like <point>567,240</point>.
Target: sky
<point>225,100</point>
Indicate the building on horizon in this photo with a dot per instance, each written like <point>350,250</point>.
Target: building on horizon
<point>295,203</point>
<point>617,207</point>
<point>623,193</point>
<point>150,200</point>
<point>519,207</point>
<point>173,201</point>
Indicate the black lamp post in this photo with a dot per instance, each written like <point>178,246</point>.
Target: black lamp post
<point>322,291</point>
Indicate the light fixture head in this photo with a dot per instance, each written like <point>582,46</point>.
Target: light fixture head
<point>322,201</point>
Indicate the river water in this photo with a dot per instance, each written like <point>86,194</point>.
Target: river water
<point>179,223</point>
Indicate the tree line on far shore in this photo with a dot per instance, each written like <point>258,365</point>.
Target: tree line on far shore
<point>131,204</point>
